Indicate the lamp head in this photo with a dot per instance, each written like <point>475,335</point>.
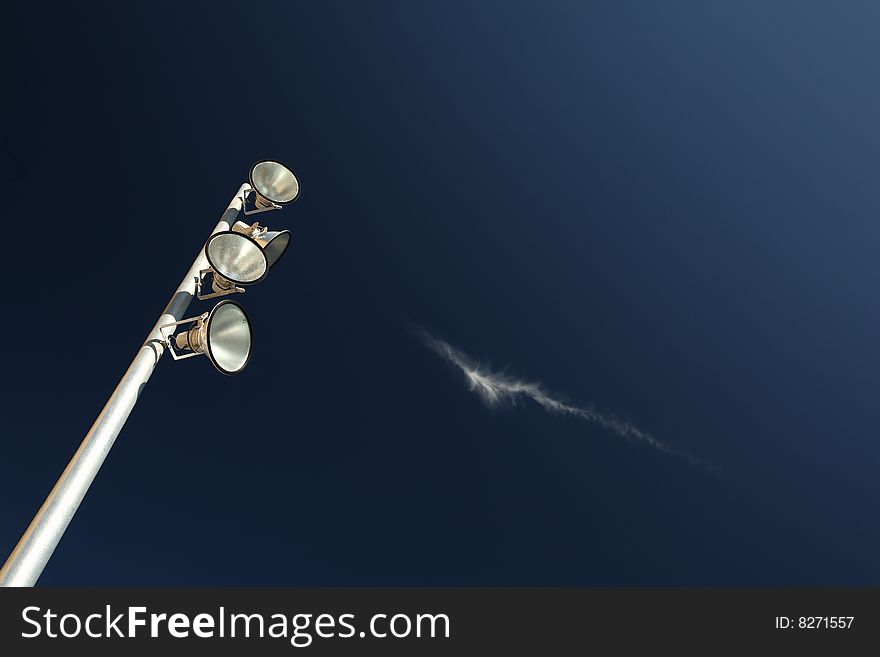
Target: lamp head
<point>237,257</point>
<point>224,336</point>
<point>274,183</point>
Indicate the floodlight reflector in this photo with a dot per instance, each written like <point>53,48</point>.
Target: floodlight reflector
<point>228,337</point>
<point>236,257</point>
<point>274,182</point>
<point>274,245</point>
<point>223,335</point>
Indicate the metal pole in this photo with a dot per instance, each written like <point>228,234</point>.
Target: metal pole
<point>36,546</point>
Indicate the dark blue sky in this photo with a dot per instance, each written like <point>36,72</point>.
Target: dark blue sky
<point>668,210</point>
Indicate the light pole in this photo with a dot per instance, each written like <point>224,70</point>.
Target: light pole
<point>271,185</point>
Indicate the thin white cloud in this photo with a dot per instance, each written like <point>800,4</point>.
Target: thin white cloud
<point>499,390</point>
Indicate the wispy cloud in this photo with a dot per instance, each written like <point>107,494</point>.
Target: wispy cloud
<point>500,390</point>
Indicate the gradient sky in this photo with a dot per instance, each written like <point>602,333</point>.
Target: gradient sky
<point>667,210</point>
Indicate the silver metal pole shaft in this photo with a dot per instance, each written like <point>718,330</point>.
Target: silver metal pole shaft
<point>36,546</point>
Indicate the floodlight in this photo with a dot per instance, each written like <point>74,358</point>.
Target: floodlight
<point>274,244</point>
<point>236,257</point>
<point>223,335</point>
<point>274,184</point>
<point>241,256</point>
